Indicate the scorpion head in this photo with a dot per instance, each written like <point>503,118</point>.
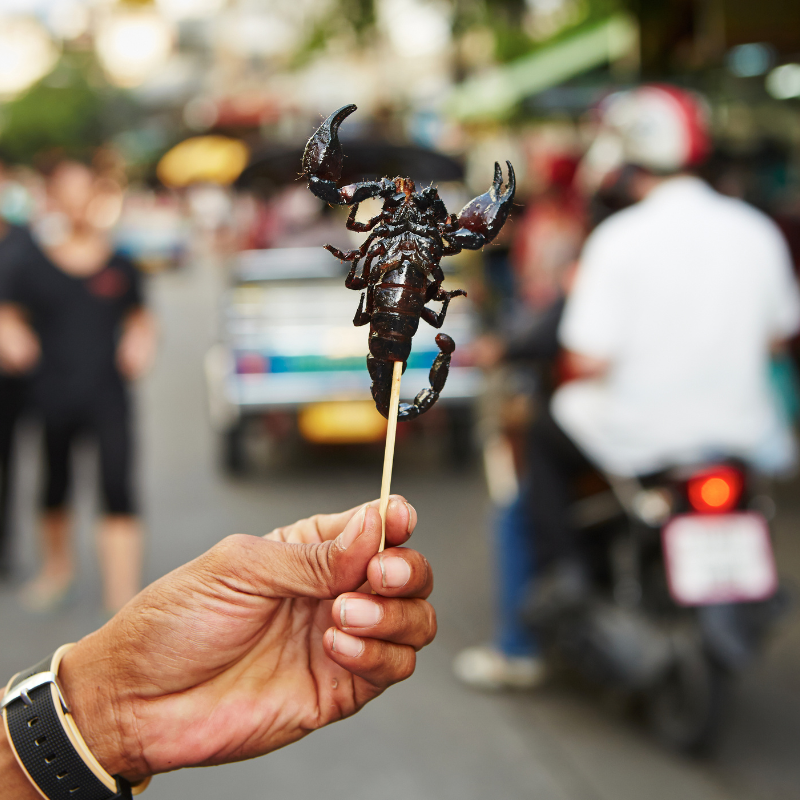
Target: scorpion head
<point>405,186</point>
<point>428,200</point>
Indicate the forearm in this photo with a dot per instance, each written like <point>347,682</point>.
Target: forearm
<point>137,347</point>
<point>14,785</point>
<point>141,321</point>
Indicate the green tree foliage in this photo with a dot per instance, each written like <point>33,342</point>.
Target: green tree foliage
<point>67,112</point>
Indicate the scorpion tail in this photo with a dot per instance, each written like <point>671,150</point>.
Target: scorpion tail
<point>381,373</point>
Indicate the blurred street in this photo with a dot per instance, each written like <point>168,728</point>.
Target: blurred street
<point>427,739</point>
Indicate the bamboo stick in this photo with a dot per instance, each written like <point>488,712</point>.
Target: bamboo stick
<point>388,457</point>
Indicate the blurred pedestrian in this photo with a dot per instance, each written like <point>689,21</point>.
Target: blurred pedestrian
<point>75,315</point>
<point>549,236</point>
<point>547,243</point>
<point>16,248</point>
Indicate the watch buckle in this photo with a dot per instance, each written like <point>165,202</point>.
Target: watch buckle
<point>22,689</point>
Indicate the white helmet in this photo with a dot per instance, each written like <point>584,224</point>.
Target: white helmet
<point>658,127</point>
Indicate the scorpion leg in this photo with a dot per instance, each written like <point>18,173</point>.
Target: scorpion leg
<point>360,282</point>
<point>350,255</point>
<point>363,317</point>
<point>482,218</point>
<point>437,320</point>
<point>353,281</point>
<point>434,288</point>
<point>361,227</point>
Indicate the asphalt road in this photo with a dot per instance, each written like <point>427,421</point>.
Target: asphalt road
<point>429,738</point>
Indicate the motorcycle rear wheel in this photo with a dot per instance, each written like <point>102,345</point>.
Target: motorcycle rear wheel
<point>685,709</point>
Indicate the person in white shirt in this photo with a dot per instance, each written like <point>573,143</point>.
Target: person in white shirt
<point>678,303</point>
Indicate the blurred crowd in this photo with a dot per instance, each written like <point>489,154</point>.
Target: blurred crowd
<point>637,314</point>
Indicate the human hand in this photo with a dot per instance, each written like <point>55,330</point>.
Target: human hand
<point>19,346</point>
<point>254,644</point>
<point>136,350</point>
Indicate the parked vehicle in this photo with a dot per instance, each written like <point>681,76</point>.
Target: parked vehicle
<point>683,591</point>
<point>290,358</point>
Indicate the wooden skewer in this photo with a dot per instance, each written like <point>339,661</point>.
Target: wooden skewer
<point>388,457</point>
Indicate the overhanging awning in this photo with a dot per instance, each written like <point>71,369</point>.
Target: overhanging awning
<point>496,94</point>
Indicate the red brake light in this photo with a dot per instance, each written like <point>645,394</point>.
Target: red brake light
<point>715,491</point>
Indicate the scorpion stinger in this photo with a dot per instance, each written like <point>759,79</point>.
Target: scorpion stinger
<point>401,271</point>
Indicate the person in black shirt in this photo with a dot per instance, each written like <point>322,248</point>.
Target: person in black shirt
<point>16,247</point>
<point>83,303</point>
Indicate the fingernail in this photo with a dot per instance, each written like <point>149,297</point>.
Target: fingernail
<point>356,613</point>
<point>395,572</point>
<point>412,517</point>
<point>347,645</point>
<point>353,529</point>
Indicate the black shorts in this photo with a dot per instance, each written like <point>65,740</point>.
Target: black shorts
<point>109,425</point>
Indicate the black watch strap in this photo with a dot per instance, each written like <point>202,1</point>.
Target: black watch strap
<point>47,743</point>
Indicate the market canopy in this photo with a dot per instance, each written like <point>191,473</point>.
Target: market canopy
<point>495,95</point>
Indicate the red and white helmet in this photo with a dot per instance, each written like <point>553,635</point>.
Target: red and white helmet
<point>658,127</point>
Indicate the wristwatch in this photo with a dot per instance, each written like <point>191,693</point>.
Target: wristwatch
<point>47,743</point>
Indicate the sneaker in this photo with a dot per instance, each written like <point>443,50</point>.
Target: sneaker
<point>486,668</point>
<point>43,595</point>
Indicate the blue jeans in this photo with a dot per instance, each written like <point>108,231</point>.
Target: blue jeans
<point>514,566</point>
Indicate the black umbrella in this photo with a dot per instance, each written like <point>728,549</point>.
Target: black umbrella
<point>364,160</point>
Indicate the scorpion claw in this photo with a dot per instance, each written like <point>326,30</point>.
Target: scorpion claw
<point>498,177</point>
<point>482,218</point>
<point>322,157</point>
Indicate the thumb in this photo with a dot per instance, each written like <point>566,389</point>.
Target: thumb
<point>281,569</point>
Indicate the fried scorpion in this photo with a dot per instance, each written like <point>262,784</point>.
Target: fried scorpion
<point>401,271</point>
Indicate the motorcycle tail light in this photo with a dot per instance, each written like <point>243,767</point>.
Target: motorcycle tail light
<point>715,491</point>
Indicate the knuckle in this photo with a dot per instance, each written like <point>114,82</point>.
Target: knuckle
<point>278,534</point>
<point>317,560</point>
<point>431,624</point>
<point>392,663</point>
<point>231,559</point>
<point>406,663</point>
<point>232,546</point>
<point>428,572</point>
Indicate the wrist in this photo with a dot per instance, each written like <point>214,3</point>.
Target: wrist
<point>14,784</point>
<point>92,689</point>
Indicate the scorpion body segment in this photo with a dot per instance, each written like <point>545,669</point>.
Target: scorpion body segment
<point>400,272</point>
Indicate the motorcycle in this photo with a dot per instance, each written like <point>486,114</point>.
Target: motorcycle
<point>682,591</point>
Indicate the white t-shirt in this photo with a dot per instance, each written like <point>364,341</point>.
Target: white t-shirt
<point>683,294</point>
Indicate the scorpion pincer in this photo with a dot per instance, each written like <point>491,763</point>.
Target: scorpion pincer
<point>401,255</point>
